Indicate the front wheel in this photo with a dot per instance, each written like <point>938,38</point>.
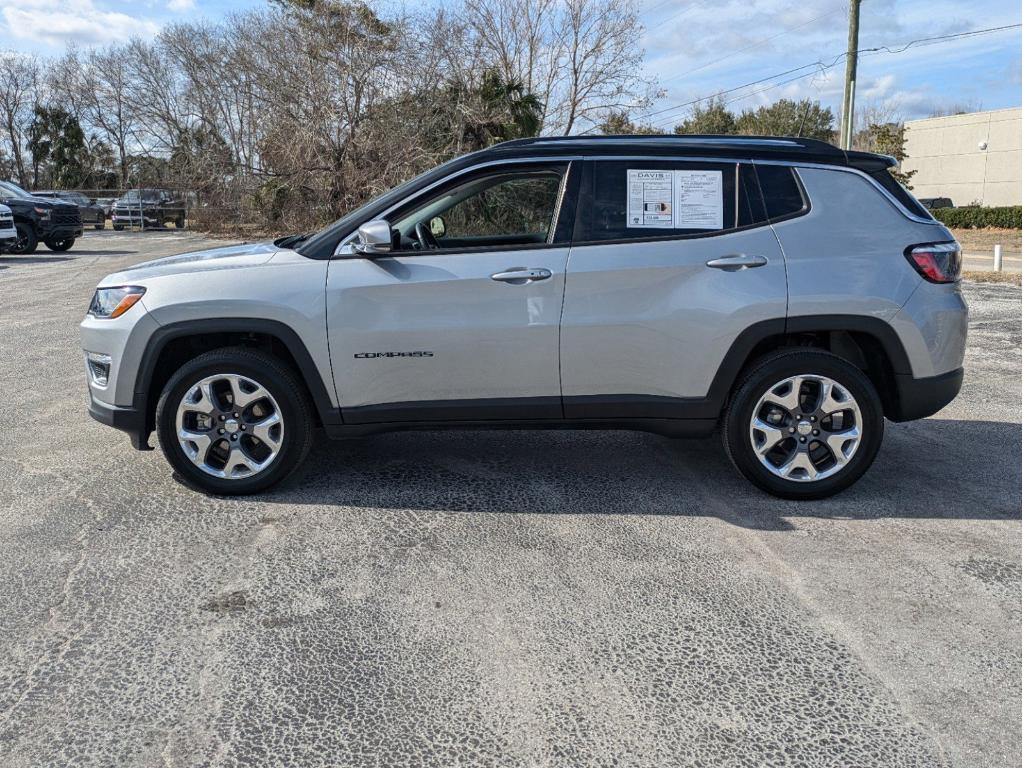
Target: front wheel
<point>60,245</point>
<point>26,241</point>
<point>803,424</point>
<point>234,421</point>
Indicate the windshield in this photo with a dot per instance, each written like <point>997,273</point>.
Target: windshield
<point>132,195</point>
<point>13,190</point>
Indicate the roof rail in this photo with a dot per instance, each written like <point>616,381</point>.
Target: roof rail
<point>789,143</point>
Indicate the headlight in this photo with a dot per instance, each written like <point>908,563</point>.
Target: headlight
<point>44,213</point>
<point>114,302</point>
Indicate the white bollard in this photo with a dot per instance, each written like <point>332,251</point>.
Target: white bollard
<point>997,258</point>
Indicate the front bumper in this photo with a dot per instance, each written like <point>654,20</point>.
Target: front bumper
<point>135,220</point>
<point>61,232</point>
<point>919,398</point>
<point>127,419</point>
<point>124,341</point>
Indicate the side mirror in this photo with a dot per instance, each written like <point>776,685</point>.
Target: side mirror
<point>438,226</point>
<point>374,238</point>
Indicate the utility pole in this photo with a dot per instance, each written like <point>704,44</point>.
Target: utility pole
<point>851,63</point>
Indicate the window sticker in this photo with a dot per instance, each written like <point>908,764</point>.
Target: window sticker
<point>651,199</point>
<point>675,199</point>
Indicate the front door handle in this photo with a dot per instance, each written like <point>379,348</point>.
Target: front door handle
<point>521,275</point>
<point>736,261</point>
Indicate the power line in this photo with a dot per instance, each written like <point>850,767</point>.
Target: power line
<point>756,44</point>
<point>820,67</point>
<point>652,8</point>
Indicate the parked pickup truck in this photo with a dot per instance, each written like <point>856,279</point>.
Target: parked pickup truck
<point>92,213</point>
<point>148,208</point>
<point>56,223</point>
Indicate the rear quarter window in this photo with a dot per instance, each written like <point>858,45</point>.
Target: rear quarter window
<point>782,193</point>
<point>902,195</point>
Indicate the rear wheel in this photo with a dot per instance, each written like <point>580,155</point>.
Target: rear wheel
<point>101,221</point>
<point>27,241</point>
<point>803,424</point>
<point>179,222</point>
<point>234,421</point>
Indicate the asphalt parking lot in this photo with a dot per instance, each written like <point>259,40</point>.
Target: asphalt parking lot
<point>499,598</point>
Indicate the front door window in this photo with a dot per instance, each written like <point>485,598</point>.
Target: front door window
<point>507,209</point>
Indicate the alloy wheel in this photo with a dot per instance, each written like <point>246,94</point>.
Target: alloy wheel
<point>806,428</point>
<point>229,426</point>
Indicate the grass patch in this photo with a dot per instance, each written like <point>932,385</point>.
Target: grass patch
<point>1012,278</point>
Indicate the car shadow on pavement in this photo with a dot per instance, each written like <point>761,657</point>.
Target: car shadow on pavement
<point>14,260</point>
<point>82,252</point>
<point>928,469</point>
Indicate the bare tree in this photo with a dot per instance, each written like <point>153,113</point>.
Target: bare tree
<point>19,94</point>
<point>582,58</point>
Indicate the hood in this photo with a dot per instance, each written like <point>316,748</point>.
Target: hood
<point>231,257</point>
<point>35,202</point>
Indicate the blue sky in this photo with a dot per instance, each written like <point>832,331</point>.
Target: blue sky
<point>694,48</point>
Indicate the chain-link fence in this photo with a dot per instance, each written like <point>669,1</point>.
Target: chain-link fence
<point>239,213</point>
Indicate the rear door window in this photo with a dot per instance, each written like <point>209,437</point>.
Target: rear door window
<point>657,199</point>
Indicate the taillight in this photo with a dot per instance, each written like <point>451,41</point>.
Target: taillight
<point>936,262</point>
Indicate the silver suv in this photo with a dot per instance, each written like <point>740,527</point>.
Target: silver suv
<point>787,292</point>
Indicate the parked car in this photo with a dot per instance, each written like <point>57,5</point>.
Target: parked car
<point>786,291</point>
<point>92,213</point>
<point>56,223</point>
<point>107,204</point>
<point>148,208</point>
<point>929,203</point>
<point>8,234</point>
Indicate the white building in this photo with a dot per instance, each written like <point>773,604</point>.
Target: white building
<point>975,157</point>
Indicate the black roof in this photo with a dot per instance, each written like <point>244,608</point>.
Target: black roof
<point>737,147</point>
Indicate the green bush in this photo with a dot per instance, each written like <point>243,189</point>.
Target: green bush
<point>1007,217</point>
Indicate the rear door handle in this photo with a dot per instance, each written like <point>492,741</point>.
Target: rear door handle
<point>736,261</point>
<point>521,275</point>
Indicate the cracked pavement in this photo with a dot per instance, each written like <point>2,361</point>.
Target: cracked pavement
<point>499,598</point>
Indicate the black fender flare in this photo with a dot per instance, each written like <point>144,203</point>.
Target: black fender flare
<point>163,335</point>
<point>741,350</point>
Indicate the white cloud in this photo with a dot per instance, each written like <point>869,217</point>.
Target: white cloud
<point>180,6</point>
<point>713,47</point>
<point>57,22</point>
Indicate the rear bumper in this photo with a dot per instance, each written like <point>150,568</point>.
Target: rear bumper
<point>919,398</point>
<point>130,420</point>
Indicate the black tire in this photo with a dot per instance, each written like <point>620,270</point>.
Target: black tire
<point>764,374</point>
<point>282,384</point>
<point>179,222</point>
<point>59,246</point>
<point>100,222</point>
<point>27,241</point>
<point>118,227</point>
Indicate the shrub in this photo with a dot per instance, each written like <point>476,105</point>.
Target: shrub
<point>1007,217</point>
